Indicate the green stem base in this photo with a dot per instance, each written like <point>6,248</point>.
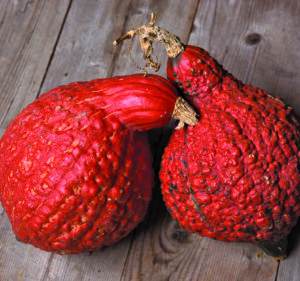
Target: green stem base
<point>277,250</point>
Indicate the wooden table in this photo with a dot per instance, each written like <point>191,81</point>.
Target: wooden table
<point>44,43</point>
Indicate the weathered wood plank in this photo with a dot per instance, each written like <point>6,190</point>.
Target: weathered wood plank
<point>247,37</point>
<point>85,50</point>
<point>28,33</point>
<point>105,264</point>
<point>163,251</point>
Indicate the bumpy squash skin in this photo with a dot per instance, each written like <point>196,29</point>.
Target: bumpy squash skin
<point>235,175</point>
<point>75,172</point>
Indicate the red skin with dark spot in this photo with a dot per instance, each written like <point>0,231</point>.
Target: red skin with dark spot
<point>75,172</point>
<point>234,176</point>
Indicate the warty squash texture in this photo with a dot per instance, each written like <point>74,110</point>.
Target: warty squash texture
<point>75,165</point>
<point>234,176</point>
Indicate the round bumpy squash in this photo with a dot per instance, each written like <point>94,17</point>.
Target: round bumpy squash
<point>75,168</point>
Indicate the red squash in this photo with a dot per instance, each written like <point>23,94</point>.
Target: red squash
<point>234,176</point>
<point>75,166</point>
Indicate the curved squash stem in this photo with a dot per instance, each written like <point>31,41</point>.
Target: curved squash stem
<point>148,34</point>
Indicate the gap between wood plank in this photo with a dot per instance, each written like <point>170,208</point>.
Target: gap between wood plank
<point>118,49</point>
<point>277,271</point>
<point>23,11</point>
<point>48,267</point>
<point>54,48</point>
<point>192,22</point>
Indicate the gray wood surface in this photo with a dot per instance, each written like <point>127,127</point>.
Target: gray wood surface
<point>45,43</point>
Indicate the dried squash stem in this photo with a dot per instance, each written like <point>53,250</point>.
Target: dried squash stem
<point>148,34</point>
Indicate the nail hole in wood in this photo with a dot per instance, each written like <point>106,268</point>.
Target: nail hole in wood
<point>253,38</point>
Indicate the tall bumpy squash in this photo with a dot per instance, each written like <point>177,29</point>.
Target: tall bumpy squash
<point>75,165</point>
<point>234,176</point>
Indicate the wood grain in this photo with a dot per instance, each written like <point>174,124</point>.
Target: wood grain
<point>85,50</point>
<point>28,34</point>
<point>51,42</point>
<point>163,251</point>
